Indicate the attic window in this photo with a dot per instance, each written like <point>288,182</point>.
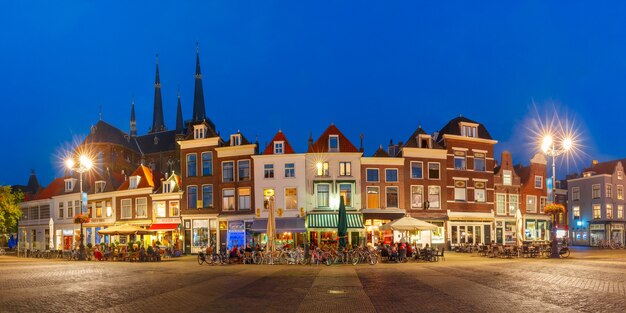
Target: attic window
<point>333,143</point>
<point>424,141</point>
<point>235,140</point>
<point>199,131</point>
<point>168,186</point>
<point>100,186</point>
<point>279,147</point>
<point>69,184</point>
<point>469,130</point>
<point>134,182</point>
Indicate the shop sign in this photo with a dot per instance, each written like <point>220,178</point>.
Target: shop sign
<point>596,227</point>
<point>617,226</point>
<point>236,226</point>
<point>68,232</point>
<point>97,220</point>
<point>168,220</point>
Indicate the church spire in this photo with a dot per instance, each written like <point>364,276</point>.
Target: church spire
<point>158,124</point>
<point>179,115</point>
<point>199,113</point>
<point>133,123</point>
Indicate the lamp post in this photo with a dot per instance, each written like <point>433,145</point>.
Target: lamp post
<point>84,164</point>
<point>549,148</point>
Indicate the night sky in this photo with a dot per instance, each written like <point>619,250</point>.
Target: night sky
<point>370,68</point>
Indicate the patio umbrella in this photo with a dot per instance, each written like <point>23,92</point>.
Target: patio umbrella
<point>124,230</point>
<point>271,229</point>
<point>519,225</point>
<point>408,223</point>
<point>342,224</point>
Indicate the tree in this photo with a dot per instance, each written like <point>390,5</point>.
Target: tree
<point>10,211</point>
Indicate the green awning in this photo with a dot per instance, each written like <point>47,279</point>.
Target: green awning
<point>330,220</point>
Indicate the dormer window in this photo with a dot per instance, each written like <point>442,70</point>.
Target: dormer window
<point>69,184</point>
<point>168,186</point>
<point>199,131</point>
<point>469,130</point>
<point>235,140</point>
<point>424,141</point>
<point>134,182</point>
<point>333,143</point>
<point>279,147</point>
<point>100,186</point>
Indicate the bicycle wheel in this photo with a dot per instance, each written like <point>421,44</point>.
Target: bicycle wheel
<point>2,252</point>
<point>355,259</point>
<point>564,253</point>
<point>200,259</point>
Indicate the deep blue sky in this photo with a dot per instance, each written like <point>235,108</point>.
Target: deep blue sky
<point>371,68</point>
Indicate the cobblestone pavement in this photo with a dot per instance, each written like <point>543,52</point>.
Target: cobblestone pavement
<point>589,281</point>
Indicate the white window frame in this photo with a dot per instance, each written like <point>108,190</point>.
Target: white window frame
<point>210,154</point>
<point>204,204</point>
<point>620,192</point>
<point>174,205</point>
<point>351,203</point>
<point>437,205</point>
<point>100,185</point>
<point>268,169</point>
<point>345,168</point>
<point>317,195</point>
<point>187,164</point>
<point>137,204</point>
<point>234,174</point>
<point>477,192</point>
<point>387,188</point>
<point>290,172</point>
<point>596,208</point>
<point>576,212</point>
<point>367,179</point>
<point>594,188</point>
<point>463,159</point>
<point>249,170</point>
<point>286,199</point>
<point>235,140</point>
<point>421,169</point>
<point>501,205</point>
<point>575,193</point>
<point>507,177</point>
<point>247,199</point>
<point>155,207</point>
<point>367,196</point>
<point>620,211</point>
<point>458,190</point>
<point>420,205</point>
<point>540,180</point>
<point>514,205</point>
<point>609,211</point>
<point>620,175</point>
<point>279,147</point>
<point>133,182</point>
<point>330,148</point>
<point>126,205</point>
<point>531,200</point>
<point>438,170</point>
<point>397,175</point>
<point>608,190</point>
<point>323,170</point>
<point>224,199</point>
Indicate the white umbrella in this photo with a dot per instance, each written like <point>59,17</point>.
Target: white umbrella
<point>519,223</point>
<point>408,223</point>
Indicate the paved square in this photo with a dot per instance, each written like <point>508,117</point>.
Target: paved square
<point>589,281</point>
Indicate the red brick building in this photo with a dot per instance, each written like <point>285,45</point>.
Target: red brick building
<point>534,199</point>
<point>507,188</point>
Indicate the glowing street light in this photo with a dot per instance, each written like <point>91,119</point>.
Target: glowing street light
<point>85,164</point>
<point>549,148</point>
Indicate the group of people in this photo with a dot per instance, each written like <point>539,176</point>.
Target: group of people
<point>400,251</point>
<point>143,254</point>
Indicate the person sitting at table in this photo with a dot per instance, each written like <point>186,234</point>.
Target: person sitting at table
<point>401,251</point>
<point>157,253</point>
<point>97,254</point>
<point>394,253</point>
<point>107,252</point>
<point>142,254</point>
<point>409,251</point>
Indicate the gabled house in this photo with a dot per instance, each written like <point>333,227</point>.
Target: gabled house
<point>280,184</point>
<point>333,169</point>
<point>469,182</point>
<point>166,221</point>
<point>507,188</point>
<point>534,198</point>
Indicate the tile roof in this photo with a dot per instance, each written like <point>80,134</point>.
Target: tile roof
<point>157,142</point>
<point>55,188</point>
<point>280,136</point>
<point>103,132</point>
<point>412,141</point>
<point>321,145</point>
<point>148,178</point>
<point>381,153</point>
<point>607,167</point>
<point>453,128</point>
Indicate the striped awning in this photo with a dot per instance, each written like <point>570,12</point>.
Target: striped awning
<point>330,220</point>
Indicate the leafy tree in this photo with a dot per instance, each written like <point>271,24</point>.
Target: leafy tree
<point>10,211</point>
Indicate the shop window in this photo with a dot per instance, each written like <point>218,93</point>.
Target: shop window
<point>373,198</point>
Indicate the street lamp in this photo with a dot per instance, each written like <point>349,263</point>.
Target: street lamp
<point>85,164</point>
<point>549,148</point>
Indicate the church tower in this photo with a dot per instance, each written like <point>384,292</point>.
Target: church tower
<point>158,124</point>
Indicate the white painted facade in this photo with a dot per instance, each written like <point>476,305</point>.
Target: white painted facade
<point>333,179</point>
<point>280,183</point>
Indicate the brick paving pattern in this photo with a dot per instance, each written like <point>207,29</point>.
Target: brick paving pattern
<point>590,281</point>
